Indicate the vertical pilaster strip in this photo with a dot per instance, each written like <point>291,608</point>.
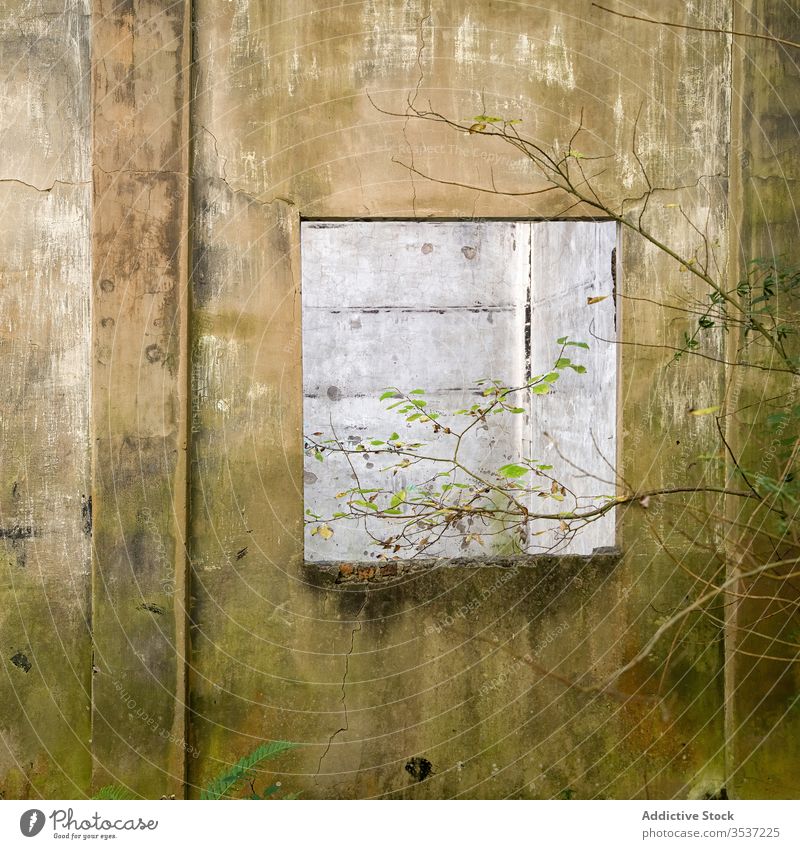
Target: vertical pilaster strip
<point>763,720</point>
<point>45,280</point>
<point>734,377</point>
<point>141,88</point>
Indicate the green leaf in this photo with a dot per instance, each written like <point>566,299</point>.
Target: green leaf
<point>516,409</point>
<point>242,769</point>
<point>513,470</point>
<point>113,792</point>
<point>390,393</point>
<point>578,369</point>
<point>578,345</point>
<point>394,437</point>
<point>540,389</point>
<point>552,377</point>
<point>562,362</point>
<point>318,456</point>
<point>417,392</point>
<point>414,417</point>
<point>377,442</point>
<point>398,498</point>
<point>366,504</point>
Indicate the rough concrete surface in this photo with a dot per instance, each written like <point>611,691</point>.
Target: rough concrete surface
<point>159,619</point>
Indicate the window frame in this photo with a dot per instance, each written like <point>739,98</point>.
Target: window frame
<point>604,557</point>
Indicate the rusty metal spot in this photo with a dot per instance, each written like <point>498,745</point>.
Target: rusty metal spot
<point>107,285</point>
<point>469,252</point>
<point>21,661</point>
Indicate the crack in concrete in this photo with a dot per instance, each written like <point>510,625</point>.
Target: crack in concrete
<point>46,189</point>
<point>346,726</point>
<point>223,177</point>
<point>149,171</point>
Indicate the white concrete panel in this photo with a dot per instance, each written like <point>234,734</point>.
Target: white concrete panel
<point>438,306</point>
<point>413,264</point>
<point>571,265</point>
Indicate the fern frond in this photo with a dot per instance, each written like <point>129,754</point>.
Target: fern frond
<point>113,792</point>
<point>224,783</point>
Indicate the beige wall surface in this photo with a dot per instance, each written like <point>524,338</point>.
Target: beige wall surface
<point>157,164</point>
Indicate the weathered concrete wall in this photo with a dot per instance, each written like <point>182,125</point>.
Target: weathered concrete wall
<point>141,65</point>
<point>367,678</point>
<point>763,678</point>
<point>45,280</point>
<point>484,674</point>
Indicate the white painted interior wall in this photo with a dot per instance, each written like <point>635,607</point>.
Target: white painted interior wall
<point>438,306</point>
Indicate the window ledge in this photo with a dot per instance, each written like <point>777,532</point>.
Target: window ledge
<point>363,571</point>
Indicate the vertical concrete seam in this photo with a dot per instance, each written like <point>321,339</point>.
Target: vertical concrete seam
<point>92,429</point>
<point>730,373</point>
<point>182,588</point>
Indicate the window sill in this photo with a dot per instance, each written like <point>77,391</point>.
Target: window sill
<point>370,571</point>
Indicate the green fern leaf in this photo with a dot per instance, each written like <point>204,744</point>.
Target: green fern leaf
<point>224,783</point>
<point>113,792</point>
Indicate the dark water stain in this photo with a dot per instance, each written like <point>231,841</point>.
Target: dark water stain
<point>153,353</point>
<point>86,514</point>
<point>720,795</point>
<point>419,768</point>
<point>21,661</point>
<point>16,532</point>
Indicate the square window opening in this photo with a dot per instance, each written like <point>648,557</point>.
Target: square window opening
<point>448,392</point>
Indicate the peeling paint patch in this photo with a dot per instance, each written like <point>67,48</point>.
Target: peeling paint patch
<point>466,42</point>
<point>550,61</point>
